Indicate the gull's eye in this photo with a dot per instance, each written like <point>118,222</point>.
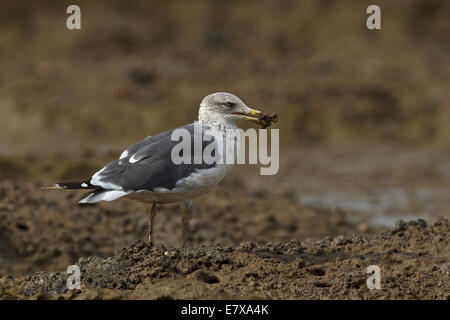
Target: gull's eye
<point>229,104</point>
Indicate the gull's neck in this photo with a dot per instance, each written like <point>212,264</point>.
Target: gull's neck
<point>215,120</point>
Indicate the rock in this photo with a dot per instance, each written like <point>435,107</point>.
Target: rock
<point>363,227</point>
<point>400,225</point>
<point>445,268</point>
<point>339,240</point>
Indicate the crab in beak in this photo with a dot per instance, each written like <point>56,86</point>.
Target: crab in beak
<point>257,116</point>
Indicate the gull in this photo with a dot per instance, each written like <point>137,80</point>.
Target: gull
<point>147,173</point>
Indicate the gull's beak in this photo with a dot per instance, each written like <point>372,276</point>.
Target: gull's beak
<point>249,114</point>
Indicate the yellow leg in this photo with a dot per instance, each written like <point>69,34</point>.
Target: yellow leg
<point>185,222</point>
<point>150,224</point>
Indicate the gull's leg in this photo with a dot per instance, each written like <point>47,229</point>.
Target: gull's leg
<point>150,224</point>
<point>186,207</point>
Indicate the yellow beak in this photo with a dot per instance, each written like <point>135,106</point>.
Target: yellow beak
<point>250,115</point>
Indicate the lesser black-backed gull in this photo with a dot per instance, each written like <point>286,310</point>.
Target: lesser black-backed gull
<point>146,172</point>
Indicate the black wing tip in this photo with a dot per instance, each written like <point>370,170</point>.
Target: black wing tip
<point>77,185</point>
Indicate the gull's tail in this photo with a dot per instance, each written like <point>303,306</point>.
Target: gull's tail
<point>83,185</point>
<point>94,194</point>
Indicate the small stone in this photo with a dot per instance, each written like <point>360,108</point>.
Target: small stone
<point>317,271</point>
<point>301,263</point>
<point>247,246</point>
<point>339,240</point>
<point>445,268</point>
<point>422,223</point>
<point>363,227</point>
<point>400,225</point>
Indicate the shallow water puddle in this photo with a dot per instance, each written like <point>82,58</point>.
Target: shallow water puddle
<point>381,207</point>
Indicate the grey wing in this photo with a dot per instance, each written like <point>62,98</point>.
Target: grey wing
<point>148,165</point>
<point>135,147</point>
<point>146,142</point>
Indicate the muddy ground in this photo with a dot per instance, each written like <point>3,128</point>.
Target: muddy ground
<point>413,259</point>
<point>241,245</point>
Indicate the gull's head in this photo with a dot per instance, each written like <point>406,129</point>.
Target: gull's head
<point>225,108</point>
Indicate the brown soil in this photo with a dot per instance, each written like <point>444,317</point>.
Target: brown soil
<point>47,230</point>
<point>42,230</point>
<point>413,259</point>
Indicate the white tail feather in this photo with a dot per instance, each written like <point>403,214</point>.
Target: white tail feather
<point>106,195</point>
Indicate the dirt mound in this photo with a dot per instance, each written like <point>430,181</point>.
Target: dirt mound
<point>413,258</point>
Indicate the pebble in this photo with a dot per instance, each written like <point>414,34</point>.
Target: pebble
<point>339,240</point>
<point>445,268</point>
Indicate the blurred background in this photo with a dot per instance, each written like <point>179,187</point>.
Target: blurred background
<point>363,123</point>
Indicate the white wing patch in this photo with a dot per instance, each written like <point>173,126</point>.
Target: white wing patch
<point>96,180</point>
<point>133,159</point>
<point>124,154</point>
